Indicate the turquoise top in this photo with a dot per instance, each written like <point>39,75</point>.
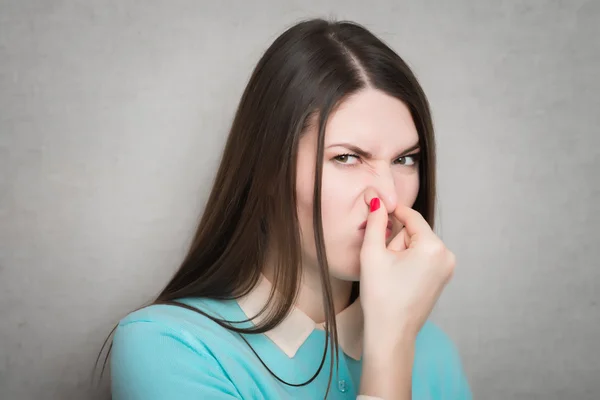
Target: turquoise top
<point>168,352</point>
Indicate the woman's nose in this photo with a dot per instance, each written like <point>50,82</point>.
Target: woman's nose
<point>384,187</point>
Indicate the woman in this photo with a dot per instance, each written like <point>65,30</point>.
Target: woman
<point>325,191</point>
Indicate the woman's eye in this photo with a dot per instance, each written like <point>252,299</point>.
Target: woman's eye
<point>347,159</point>
<point>409,160</point>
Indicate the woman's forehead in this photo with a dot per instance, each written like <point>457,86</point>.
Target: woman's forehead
<point>372,119</point>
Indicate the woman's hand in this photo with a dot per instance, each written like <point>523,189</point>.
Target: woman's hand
<point>399,285</point>
<point>401,282</point>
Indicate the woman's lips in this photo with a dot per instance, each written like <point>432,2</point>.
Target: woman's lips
<point>388,231</point>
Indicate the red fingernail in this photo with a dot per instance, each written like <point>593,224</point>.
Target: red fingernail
<point>374,204</point>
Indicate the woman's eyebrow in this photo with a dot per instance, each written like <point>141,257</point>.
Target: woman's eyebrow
<point>412,148</point>
<point>354,149</point>
<point>367,155</point>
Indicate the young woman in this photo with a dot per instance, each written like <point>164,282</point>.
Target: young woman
<point>314,267</point>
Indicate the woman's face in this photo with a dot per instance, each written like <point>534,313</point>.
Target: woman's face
<point>370,143</point>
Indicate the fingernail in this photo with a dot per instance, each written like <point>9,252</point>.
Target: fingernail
<point>374,204</point>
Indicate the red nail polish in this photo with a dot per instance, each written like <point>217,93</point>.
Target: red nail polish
<point>374,204</point>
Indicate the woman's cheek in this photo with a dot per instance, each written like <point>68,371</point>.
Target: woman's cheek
<point>407,189</point>
<point>341,189</point>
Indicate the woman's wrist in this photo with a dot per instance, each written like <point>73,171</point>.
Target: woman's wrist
<point>385,347</point>
<point>387,367</point>
<point>386,335</point>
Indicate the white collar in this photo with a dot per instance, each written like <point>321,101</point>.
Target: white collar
<point>293,331</point>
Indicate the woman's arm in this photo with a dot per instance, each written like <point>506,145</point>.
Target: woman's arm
<point>388,369</point>
<point>400,283</point>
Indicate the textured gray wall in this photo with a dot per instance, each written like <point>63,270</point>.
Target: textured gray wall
<point>113,115</point>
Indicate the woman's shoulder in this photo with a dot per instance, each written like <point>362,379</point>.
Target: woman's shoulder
<point>168,351</point>
<point>188,321</point>
<point>435,345</point>
<point>437,358</point>
<point>182,311</point>
<point>433,338</point>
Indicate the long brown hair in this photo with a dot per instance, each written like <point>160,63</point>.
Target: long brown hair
<point>299,81</point>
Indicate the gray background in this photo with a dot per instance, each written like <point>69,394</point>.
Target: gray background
<point>113,115</point>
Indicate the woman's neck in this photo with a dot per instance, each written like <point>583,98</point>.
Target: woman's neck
<point>310,297</point>
<point>310,294</point>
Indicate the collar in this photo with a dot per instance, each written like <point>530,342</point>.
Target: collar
<point>293,331</point>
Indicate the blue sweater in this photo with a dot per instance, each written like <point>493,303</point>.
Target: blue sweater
<point>168,352</point>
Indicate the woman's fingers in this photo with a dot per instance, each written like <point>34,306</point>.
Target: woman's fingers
<point>375,230</point>
<point>413,221</point>
<point>400,242</point>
